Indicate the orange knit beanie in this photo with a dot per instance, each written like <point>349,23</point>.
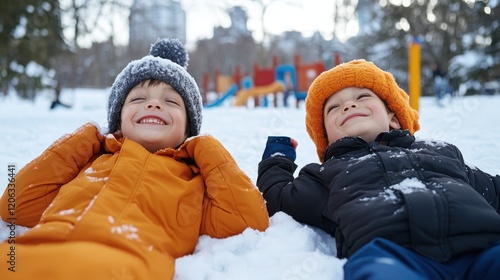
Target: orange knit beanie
<point>361,74</point>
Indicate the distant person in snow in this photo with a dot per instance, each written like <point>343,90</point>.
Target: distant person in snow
<point>399,208</point>
<point>57,101</point>
<point>126,204</point>
<point>441,84</point>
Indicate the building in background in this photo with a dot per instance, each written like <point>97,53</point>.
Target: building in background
<point>153,19</point>
<point>238,26</point>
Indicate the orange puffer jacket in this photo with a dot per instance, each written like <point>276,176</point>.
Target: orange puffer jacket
<point>103,208</point>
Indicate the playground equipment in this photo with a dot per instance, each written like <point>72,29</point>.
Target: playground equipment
<point>306,74</point>
<point>414,72</point>
<point>231,91</point>
<point>243,94</point>
<point>263,82</point>
<point>286,79</point>
<point>225,86</point>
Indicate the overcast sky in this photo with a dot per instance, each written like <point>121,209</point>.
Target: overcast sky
<point>202,16</point>
<point>304,16</point>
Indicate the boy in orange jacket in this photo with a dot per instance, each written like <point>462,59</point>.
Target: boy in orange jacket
<point>127,203</point>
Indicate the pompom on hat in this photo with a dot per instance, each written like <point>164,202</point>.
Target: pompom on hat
<point>361,74</point>
<point>167,61</point>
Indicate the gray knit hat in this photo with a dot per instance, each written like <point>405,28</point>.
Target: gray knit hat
<point>167,61</point>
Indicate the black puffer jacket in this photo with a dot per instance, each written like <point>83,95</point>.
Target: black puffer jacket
<point>418,194</point>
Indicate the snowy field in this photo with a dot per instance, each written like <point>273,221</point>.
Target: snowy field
<point>287,249</point>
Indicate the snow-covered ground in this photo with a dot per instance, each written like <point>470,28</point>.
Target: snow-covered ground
<point>287,249</point>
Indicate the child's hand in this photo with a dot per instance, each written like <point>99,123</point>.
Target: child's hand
<point>83,130</point>
<point>207,152</point>
<point>118,134</point>
<point>280,146</point>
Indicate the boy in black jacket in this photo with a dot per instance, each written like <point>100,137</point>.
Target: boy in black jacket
<point>398,208</point>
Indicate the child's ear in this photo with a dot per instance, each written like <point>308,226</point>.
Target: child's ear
<point>394,122</point>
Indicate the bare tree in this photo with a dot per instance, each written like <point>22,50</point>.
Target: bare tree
<point>85,21</point>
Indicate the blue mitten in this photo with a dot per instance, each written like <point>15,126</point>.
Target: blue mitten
<point>279,146</point>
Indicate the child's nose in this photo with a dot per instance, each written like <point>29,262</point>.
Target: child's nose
<point>349,105</point>
<point>153,103</point>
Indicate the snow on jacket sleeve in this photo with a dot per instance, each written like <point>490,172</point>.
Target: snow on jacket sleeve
<point>303,198</point>
<point>487,185</point>
<point>38,182</point>
<point>232,203</point>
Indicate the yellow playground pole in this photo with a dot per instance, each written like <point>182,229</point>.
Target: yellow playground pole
<point>414,73</point>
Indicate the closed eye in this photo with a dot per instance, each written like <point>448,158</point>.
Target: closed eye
<point>331,107</point>
<point>172,101</point>
<point>363,95</point>
<point>136,99</point>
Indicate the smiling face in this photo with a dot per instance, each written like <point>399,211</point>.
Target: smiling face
<point>357,112</point>
<point>154,115</point>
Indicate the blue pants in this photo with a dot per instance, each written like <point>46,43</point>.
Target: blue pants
<point>385,260</point>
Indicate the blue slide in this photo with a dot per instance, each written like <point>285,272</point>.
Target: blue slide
<point>230,92</point>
